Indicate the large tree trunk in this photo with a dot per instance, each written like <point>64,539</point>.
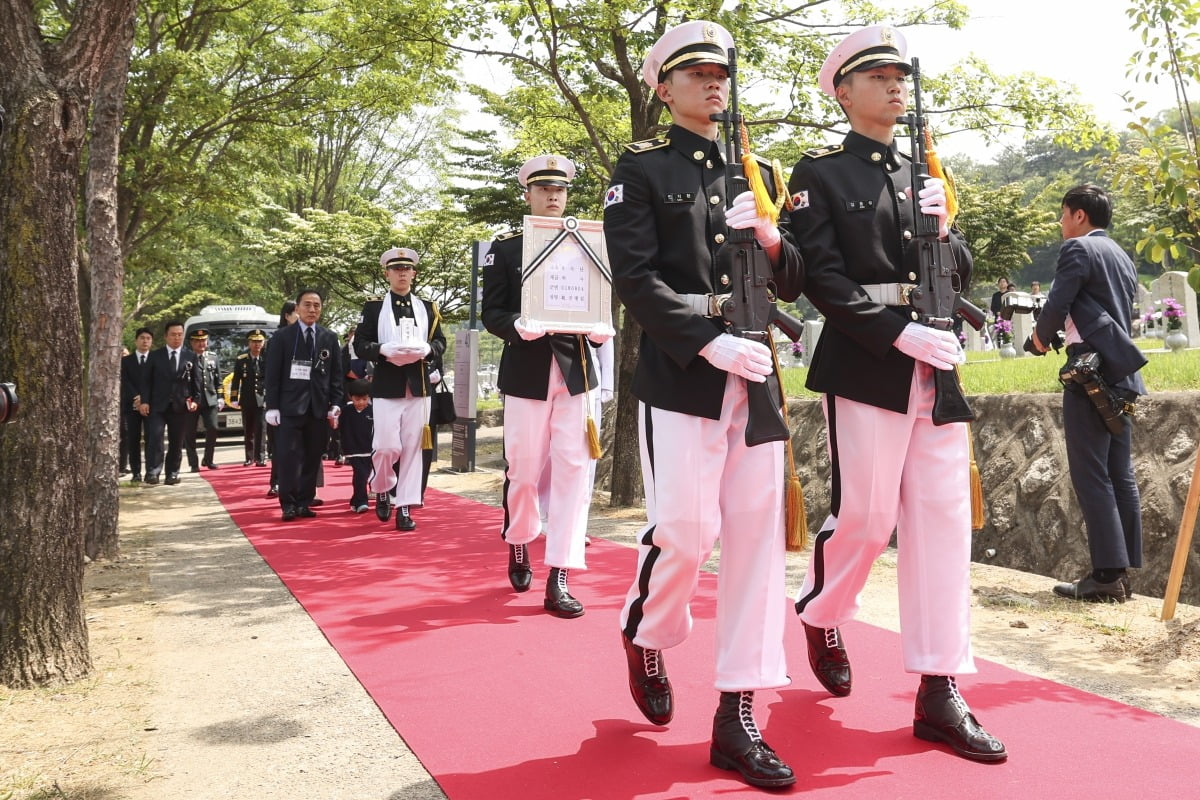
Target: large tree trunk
<point>46,89</point>
<point>106,280</point>
<point>626,483</point>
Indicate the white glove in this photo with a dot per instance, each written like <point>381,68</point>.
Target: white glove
<point>220,404</point>
<point>421,349</point>
<point>745,357</point>
<point>533,330</point>
<point>435,376</point>
<point>601,333</point>
<point>605,395</point>
<point>333,413</point>
<point>933,203</point>
<point>404,357</point>
<point>273,416</point>
<point>235,404</point>
<point>390,349</point>
<point>938,349</point>
<point>744,214</point>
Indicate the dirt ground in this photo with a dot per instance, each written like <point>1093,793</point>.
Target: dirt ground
<point>212,683</point>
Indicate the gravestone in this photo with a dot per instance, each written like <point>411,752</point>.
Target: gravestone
<point>812,332</point>
<point>1174,284</point>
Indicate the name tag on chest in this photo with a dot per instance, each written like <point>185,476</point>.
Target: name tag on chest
<point>301,370</point>
<point>679,197</point>
<point>859,205</point>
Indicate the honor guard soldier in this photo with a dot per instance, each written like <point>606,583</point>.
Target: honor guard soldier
<point>543,377</point>
<point>248,394</point>
<point>893,468</point>
<point>398,333</point>
<point>665,219</point>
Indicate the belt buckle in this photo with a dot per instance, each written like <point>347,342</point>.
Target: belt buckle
<point>715,301</point>
<point>906,290</point>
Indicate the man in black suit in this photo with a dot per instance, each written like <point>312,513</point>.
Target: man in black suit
<point>247,393</point>
<point>170,392</point>
<point>133,367</point>
<point>211,403</point>
<point>1091,299</point>
<point>303,395</point>
<point>543,377</point>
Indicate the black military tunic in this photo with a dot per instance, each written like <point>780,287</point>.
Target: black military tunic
<point>389,380</point>
<point>853,223</point>
<point>667,201</point>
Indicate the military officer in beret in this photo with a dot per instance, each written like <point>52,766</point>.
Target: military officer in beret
<point>248,394</point>
<point>210,402</point>
<point>665,218</point>
<point>853,217</point>
<point>543,377</point>
<point>398,333</point>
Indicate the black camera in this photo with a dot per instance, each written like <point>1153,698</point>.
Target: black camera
<point>1084,369</point>
<point>1056,342</point>
<point>9,405</point>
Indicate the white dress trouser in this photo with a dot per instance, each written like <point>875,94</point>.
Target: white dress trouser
<point>703,483</point>
<point>553,429</point>
<point>543,489</point>
<point>399,422</point>
<point>901,472</point>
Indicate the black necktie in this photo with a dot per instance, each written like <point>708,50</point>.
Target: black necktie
<point>174,363</point>
<point>308,342</point>
<point>141,361</point>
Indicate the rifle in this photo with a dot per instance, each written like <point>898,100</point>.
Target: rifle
<point>937,296</point>
<point>749,308</point>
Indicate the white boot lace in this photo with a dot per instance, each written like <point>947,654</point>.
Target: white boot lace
<point>831,638</point>
<point>651,663</point>
<point>519,553</point>
<point>956,699</point>
<point>746,716</point>
<point>561,579</point>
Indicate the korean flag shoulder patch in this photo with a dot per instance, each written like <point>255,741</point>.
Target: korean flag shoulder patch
<point>614,195</point>
<point>800,200</point>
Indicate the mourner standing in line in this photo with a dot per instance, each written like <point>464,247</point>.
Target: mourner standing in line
<point>544,377</point>
<point>133,368</point>
<point>398,333</point>
<point>170,392</point>
<point>304,396</point>
<point>287,316</point>
<point>210,403</point>
<point>664,221</point>
<point>1095,285</point>
<point>893,469</point>
<point>248,394</point>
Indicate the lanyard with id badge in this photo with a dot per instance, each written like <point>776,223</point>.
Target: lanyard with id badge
<point>301,368</point>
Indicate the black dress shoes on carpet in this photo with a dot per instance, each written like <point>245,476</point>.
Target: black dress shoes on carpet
<point>559,602</point>
<point>738,746</point>
<point>941,715</point>
<point>208,465</point>
<point>247,463</point>
<point>404,521</point>
<point>648,682</point>
<point>316,502</point>
<point>520,574</point>
<point>273,491</point>
<point>828,659</point>
<point>305,512</point>
<point>289,513</point>
<point>1094,591</point>
<point>383,506</point>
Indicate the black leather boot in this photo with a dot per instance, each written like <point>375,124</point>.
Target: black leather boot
<point>828,659</point>
<point>520,574</point>
<point>942,715</point>
<point>404,521</point>
<point>558,601</point>
<point>737,745</point>
<point>648,682</point>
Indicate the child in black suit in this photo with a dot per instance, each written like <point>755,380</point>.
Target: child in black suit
<point>355,427</point>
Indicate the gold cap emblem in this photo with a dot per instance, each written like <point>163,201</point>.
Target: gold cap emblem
<point>551,163</point>
<point>710,32</point>
<point>887,36</point>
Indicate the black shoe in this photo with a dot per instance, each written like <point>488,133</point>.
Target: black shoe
<point>212,465</point>
<point>151,479</point>
<point>1128,588</point>
<point>558,601</point>
<point>942,715</point>
<point>738,746</point>
<point>1093,590</point>
<point>273,491</point>
<point>383,506</point>
<point>136,479</point>
<point>247,462</point>
<point>403,521</point>
<point>828,659</point>
<point>520,574</point>
<point>316,502</point>
<point>648,682</point>
<point>289,513</point>
<point>193,468</point>
<point>259,464</point>
<point>305,512</point>
<point>172,479</point>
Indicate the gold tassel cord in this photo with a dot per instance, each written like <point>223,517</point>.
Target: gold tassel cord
<point>937,170</point>
<point>796,517</point>
<point>763,202</point>
<point>593,434</point>
<point>427,432</point>
<point>977,518</point>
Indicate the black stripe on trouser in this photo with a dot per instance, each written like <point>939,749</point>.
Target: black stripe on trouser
<point>504,492</point>
<point>817,564</point>
<point>643,578</point>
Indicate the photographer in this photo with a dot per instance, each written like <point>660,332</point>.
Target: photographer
<point>1091,300</point>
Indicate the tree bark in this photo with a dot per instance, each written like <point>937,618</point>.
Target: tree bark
<point>106,279</point>
<point>625,487</point>
<point>46,89</point>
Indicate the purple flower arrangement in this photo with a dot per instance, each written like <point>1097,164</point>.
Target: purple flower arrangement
<point>1002,331</point>
<point>1172,312</point>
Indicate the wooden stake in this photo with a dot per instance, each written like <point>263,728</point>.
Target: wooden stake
<point>1183,543</point>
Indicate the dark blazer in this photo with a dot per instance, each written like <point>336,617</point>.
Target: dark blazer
<point>388,379</point>
<point>1096,283</point>
<point>210,379</point>
<point>853,225</point>
<point>131,380</point>
<point>664,221</point>
<point>166,390</point>
<point>246,388</point>
<point>293,397</point>
<point>525,366</point>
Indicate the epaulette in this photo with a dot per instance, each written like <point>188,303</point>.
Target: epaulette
<point>646,145</point>
<point>507,235</point>
<point>821,152</point>
<point>243,355</point>
<point>375,297</point>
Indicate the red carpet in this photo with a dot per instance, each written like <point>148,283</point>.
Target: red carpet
<point>500,700</point>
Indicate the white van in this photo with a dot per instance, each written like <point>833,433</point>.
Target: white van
<point>228,327</point>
